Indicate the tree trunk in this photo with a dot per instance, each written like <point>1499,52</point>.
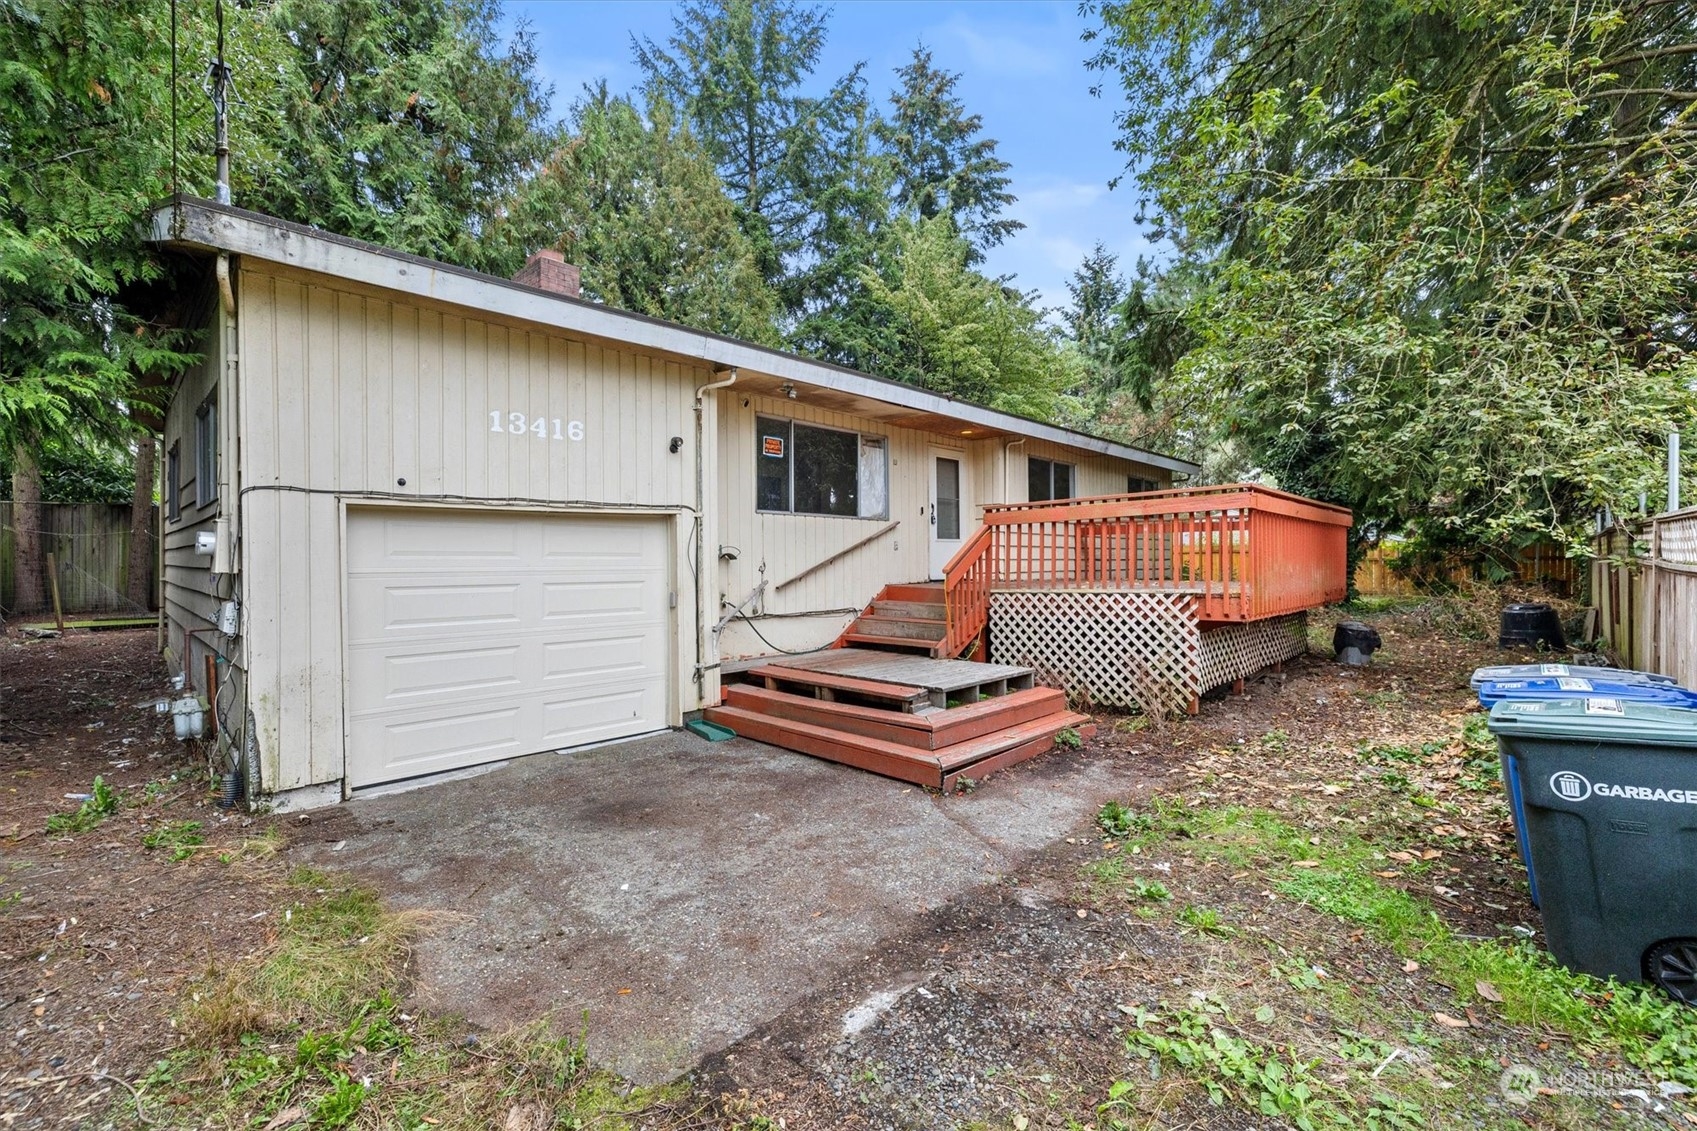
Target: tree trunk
<point>140,587</point>
<point>28,594</point>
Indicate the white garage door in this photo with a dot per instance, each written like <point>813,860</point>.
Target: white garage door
<point>476,637</point>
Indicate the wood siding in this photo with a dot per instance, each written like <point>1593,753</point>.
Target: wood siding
<point>192,592</point>
<point>813,611</point>
<point>346,392</point>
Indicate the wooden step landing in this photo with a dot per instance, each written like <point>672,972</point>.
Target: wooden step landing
<point>941,768</point>
<point>929,730</point>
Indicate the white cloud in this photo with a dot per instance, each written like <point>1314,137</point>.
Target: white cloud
<point>1005,53</point>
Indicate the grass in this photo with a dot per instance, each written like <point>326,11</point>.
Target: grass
<point>1299,1045</point>
<point>314,1032</point>
<point>179,839</point>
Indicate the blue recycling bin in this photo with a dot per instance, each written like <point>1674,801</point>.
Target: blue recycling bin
<point>1541,682</point>
<point>1546,671</point>
<point>1494,691</point>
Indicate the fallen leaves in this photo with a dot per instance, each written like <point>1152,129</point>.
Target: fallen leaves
<point>1449,1022</point>
<point>1488,991</point>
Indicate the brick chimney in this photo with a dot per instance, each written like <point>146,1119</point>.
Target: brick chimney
<point>548,270</point>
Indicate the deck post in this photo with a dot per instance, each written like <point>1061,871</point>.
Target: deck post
<point>1237,686</point>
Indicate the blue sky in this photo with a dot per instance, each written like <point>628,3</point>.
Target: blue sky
<point>1021,67</point>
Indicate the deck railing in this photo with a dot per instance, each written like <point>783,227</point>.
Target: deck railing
<point>1244,550</point>
<point>966,593</point>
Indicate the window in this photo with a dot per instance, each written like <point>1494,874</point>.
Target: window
<point>206,452</point>
<point>1049,480</point>
<point>173,484</point>
<point>803,469</point>
<point>1136,483</point>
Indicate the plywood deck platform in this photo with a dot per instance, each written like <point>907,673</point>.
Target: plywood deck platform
<point>963,680</point>
<point>927,721</point>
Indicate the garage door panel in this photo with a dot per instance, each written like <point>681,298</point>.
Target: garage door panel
<point>390,606</point>
<point>593,718</point>
<point>473,638</point>
<point>604,543</point>
<point>466,673</point>
<point>623,598</point>
<point>435,541</point>
<point>601,658</point>
<point>407,746</point>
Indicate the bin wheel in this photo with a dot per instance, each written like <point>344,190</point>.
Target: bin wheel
<point>1672,965</point>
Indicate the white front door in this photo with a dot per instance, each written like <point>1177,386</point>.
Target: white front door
<point>948,507</point>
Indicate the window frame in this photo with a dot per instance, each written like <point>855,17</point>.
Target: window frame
<point>206,452</point>
<point>1072,479</point>
<point>174,482</point>
<point>1153,484</point>
<point>860,439</point>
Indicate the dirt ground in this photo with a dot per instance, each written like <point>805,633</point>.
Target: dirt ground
<point>98,933</point>
<point>1004,1008</point>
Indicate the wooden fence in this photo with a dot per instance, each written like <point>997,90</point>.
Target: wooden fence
<point>1644,585</point>
<point>90,544</point>
<point>1544,563</point>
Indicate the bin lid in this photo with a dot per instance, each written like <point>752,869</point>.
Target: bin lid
<point>1607,720</point>
<point>1581,687</point>
<point>1535,671</point>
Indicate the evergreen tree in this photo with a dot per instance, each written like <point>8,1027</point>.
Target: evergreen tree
<point>632,199</point>
<point>79,164</point>
<point>943,166</point>
<point>402,122</point>
<point>737,68</point>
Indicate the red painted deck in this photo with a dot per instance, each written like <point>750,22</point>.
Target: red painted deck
<point>888,713</point>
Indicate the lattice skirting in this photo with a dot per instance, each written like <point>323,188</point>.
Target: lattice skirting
<point>1235,651</point>
<point>1145,650</point>
<point>1106,648</point>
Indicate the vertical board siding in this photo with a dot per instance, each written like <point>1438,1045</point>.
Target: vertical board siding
<point>808,614</point>
<point>345,391</point>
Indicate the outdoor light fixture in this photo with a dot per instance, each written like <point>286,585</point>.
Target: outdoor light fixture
<point>788,390</point>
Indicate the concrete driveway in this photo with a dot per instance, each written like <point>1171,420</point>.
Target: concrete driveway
<point>681,892</point>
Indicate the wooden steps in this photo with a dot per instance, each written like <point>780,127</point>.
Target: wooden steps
<point>909,618</point>
<point>892,714</point>
<point>937,769</point>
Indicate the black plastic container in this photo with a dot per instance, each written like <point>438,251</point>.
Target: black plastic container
<point>1530,626</point>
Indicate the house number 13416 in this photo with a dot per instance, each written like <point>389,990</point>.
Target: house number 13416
<point>543,428</point>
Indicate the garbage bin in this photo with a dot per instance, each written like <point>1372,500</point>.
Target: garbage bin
<point>1494,691</point>
<point>1534,671</point>
<point>1609,795</point>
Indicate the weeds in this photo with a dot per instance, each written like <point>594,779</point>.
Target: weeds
<point>313,1033</point>
<point>102,803</point>
<point>1068,739</point>
<point>179,839</point>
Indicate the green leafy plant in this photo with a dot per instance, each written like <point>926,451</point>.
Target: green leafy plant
<point>1150,890</point>
<point>1069,739</point>
<point>102,803</point>
<point>1118,821</point>
<point>179,839</point>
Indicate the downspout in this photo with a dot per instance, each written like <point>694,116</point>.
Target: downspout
<point>1007,459</point>
<point>701,392</point>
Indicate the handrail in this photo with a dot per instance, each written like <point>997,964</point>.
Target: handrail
<point>1241,551</point>
<point>842,553</point>
<point>966,592</point>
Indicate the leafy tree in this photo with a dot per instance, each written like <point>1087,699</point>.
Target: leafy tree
<point>943,166</point>
<point>1452,243</point>
<point>950,329</point>
<point>402,122</point>
<point>77,168</point>
<point>737,68</point>
<point>636,203</point>
<point>82,471</point>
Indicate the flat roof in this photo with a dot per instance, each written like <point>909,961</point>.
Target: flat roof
<point>204,225</point>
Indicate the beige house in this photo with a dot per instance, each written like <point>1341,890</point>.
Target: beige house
<point>419,519</point>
